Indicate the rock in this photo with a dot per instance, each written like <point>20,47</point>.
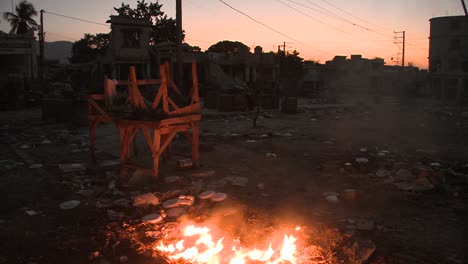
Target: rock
<point>332,199</point>
<point>86,193</point>
<point>399,165</point>
<point>69,204</point>
<point>358,251</point>
<point>218,197</point>
<point>145,200</point>
<point>240,181</point>
<point>206,195</point>
<point>74,167</point>
<point>35,166</point>
<point>205,174</point>
<point>152,219</point>
<point>140,178</point>
<point>365,225</point>
<point>382,173</point>
<point>123,259</point>
<point>261,186</point>
<point>362,160</point>
<point>403,175</point>
<point>172,179</point>
<point>347,164</point>
<point>32,212</point>
<point>109,163</point>
<point>363,149</point>
<point>175,212</point>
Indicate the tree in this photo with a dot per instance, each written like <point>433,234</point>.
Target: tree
<point>163,28</point>
<point>291,71</point>
<point>89,47</point>
<point>21,21</point>
<point>227,46</point>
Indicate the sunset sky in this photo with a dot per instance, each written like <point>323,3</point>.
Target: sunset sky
<point>318,29</point>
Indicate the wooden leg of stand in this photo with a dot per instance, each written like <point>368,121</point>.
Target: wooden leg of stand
<point>195,144</point>
<point>156,153</point>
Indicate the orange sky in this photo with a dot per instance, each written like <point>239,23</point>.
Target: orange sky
<point>317,35</point>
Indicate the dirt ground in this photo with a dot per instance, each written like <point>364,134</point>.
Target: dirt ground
<point>412,186</point>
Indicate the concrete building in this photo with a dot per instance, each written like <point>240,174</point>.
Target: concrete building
<point>448,56</point>
<point>18,54</point>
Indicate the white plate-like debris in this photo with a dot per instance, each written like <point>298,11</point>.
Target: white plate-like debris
<point>218,197</point>
<point>206,195</point>
<point>175,212</point>
<point>152,218</point>
<point>171,203</point>
<point>69,204</point>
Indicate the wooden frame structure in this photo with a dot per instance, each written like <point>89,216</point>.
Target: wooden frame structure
<point>157,133</point>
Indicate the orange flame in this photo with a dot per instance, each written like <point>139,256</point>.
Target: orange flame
<point>198,246</point>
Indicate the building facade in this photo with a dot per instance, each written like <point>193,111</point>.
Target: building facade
<point>448,56</point>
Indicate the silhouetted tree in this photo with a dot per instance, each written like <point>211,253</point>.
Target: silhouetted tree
<point>291,70</point>
<point>22,20</point>
<point>163,28</point>
<point>227,46</point>
<point>89,47</point>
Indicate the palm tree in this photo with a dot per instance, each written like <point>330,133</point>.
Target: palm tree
<point>22,21</point>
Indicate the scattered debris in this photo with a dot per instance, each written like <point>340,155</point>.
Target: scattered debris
<point>172,179</point>
<point>74,167</point>
<point>205,174</point>
<point>362,160</point>
<point>271,155</point>
<point>145,200</point>
<point>32,212</point>
<point>206,195</point>
<point>171,203</point>
<point>152,219</point>
<point>175,212</point>
<point>239,181</point>
<point>218,197</point>
<point>35,166</point>
<point>69,204</point>
<point>382,173</point>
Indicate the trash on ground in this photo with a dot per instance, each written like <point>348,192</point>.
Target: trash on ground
<point>69,204</point>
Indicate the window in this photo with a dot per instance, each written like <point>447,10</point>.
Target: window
<point>131,38</point>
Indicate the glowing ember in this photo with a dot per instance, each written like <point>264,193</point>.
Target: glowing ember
<point>198,245</point>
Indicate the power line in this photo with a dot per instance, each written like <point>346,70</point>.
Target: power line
<point>75,18</point>
<point>321,22</point>
<point>270,28</point>
<point>332,14</point>
<point>350,14</point>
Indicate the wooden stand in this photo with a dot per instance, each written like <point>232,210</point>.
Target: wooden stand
<point>157,133</point>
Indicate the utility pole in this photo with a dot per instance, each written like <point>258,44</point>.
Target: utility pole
<point>12,7</point>
<point>180,72</point>
<point>41,46</point>
<point>400,38</point>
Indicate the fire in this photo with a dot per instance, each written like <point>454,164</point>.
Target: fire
<point>198,245</point>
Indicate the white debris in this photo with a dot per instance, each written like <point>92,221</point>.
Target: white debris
<point>175,212</point>
<point>382,173</point>
<point>145,200</point>
<point>74,167</point>
<point>206,195</point>
<point>172,179</point>
<point>332,199</point>
<point>435,164</point>
<point>218,197</point>
<point>347,164</point>
<point>240,181</point>
<point>271,155</point>
<point>362,160</point>
<point>171,203</point>
<point>69,204</point>
<point>31,212</point>
<point>152,219</point>
<point>363,149</point>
